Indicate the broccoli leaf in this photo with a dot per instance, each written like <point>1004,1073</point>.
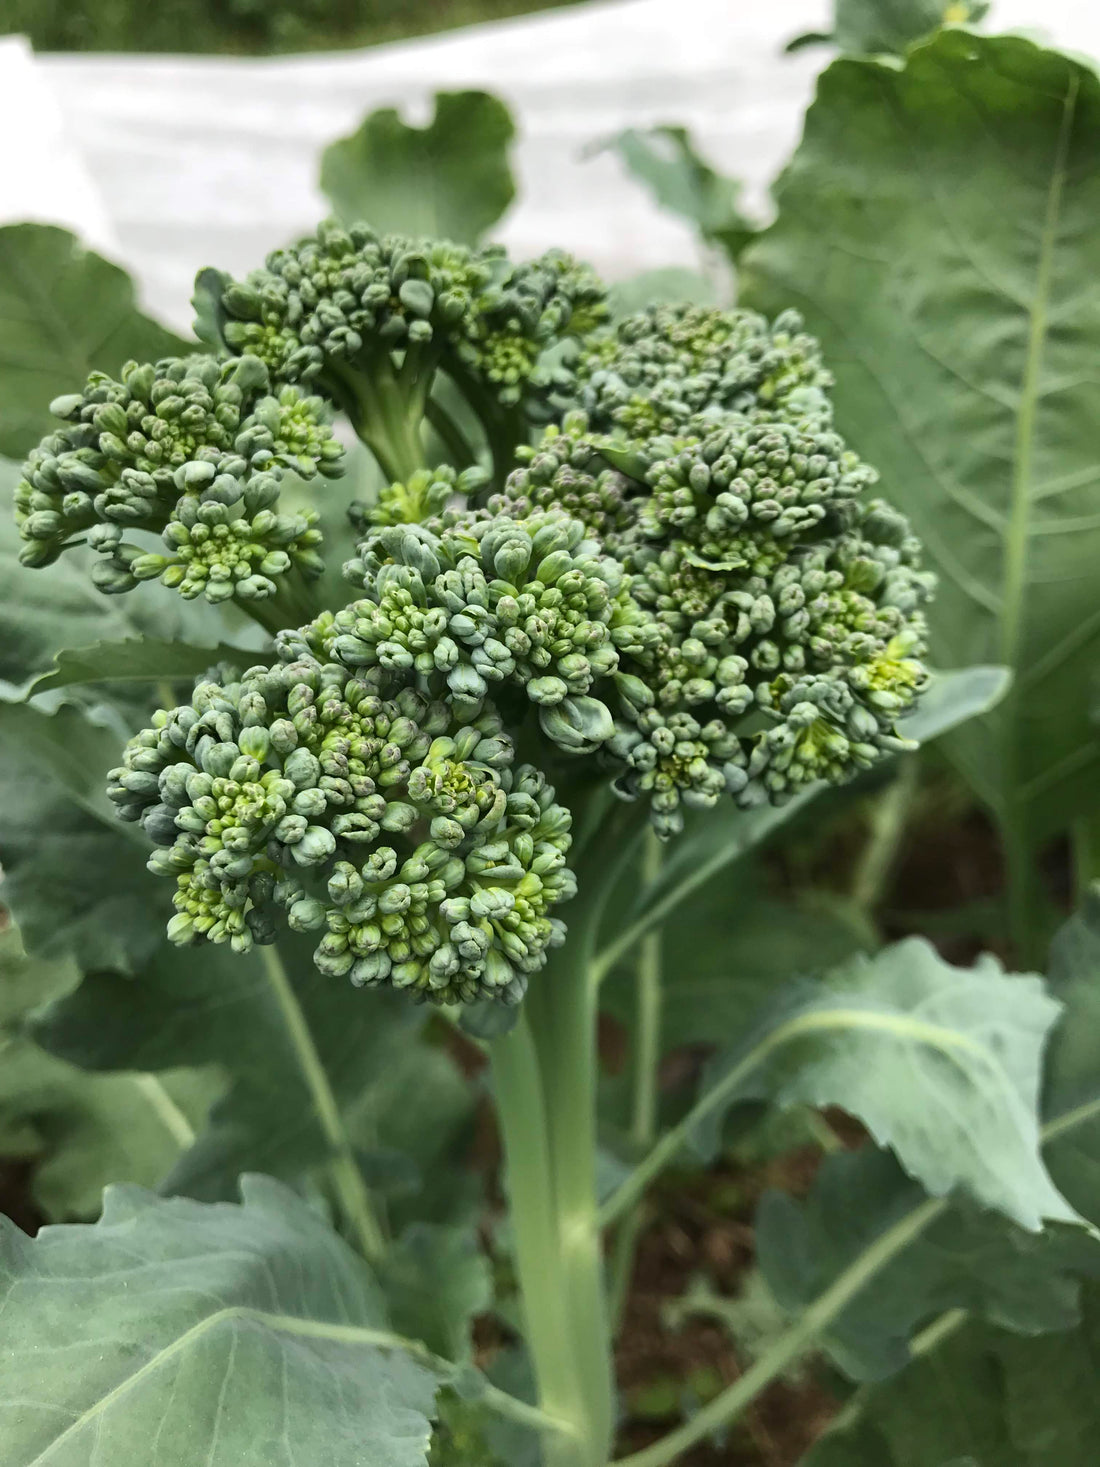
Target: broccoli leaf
<point>966,1259</point>
<point>870,26</point>
<point>979,1395</point>
<point>225,1008</point>
<point>667,162</point>
<point>64,311</point>
<point>144,660</point>
<point>232,1334</point>
<point>435,1280</point>
<point>450,179</point>
<point>73,877</point>
<point>58,606</point>
<point>942,1064</point>
<point>81,1131</point>
<point>936,230</point>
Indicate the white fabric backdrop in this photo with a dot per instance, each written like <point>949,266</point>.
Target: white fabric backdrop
<point>181,162</point>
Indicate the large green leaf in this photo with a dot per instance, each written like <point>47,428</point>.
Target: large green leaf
<point>936,229</point>
<point>980,1398</point>
<point>235,1336</point>
<point>81,1131</point>
<point>450,179</point>
<point>64,311</point>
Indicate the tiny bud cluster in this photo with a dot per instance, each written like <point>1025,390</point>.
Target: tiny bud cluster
<point>484,601</point>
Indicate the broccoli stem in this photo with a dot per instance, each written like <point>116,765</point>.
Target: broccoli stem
<point>522,1115</point>
<point>387,405</point>
<point>562,1004</point>
<point>647,1058</point>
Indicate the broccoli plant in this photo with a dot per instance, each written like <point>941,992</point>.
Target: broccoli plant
<point>622,595</point>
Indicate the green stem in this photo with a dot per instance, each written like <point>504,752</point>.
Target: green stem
<point>648,1012</point>
<point>343,1167</point>
<point>562,1002</point>
<point>622,1265</point>
<point>454,440</point>
<point>791,1344</point>
<point>658,908</point>
<point>889,816</point>
<point>386,407</point>
<point>522,1117</point>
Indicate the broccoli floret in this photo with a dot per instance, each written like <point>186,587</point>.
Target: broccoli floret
<point>423,499</point>
<point>657,370</point>
<point>370,319</point>
<point>193,450</point>
<point>485,602</point>
<point>789,621</point>
<point>302,796</point>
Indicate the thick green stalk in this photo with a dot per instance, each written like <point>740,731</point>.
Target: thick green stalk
<point>386,407</point>
<point>562,1006</point>
<point>522,1118</point>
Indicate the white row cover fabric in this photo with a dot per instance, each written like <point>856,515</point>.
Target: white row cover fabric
<point>215,160</point>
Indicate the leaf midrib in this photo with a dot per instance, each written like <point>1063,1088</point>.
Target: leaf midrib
<point>1018,527</point>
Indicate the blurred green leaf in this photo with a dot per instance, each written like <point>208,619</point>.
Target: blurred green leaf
<point>64,311</point>
<point>74,877</point>
<point>241,1336</point>
<point>725,951</point>
<point>674,285</point>
<point>666,161</point>
<point>963,351</point>
<point>953,697</point>
<point>435,1280</point>
<point>450,179</point>
<point>870,26</point>
<point>42,611</point>
<point>979,1398</point>
<point>136,660</point>
<point>82,1131</point>
<point>217,1007</point>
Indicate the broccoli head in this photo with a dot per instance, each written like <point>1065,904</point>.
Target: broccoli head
<point>309,796</point>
